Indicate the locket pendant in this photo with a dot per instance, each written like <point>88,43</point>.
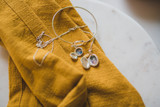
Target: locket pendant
<point>89,60</point>
<point>84,61</point>
<point>93,60</point>
<point>77,52</point>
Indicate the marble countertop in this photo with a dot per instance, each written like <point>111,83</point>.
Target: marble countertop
<point>146,13</point>
<point>125,43</point>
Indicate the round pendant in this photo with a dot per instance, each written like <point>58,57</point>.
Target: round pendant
<point>85,63</point>
<point>78,51</point>
<point>73,55</point>
<point>93,60</point>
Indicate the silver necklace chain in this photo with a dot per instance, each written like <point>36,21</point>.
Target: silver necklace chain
<point>43,44</point>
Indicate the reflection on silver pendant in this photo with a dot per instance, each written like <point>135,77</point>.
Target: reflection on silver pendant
<point>93,60</point>
<point>78,51</point>
<point>73,55</point>
<point>85,63</point>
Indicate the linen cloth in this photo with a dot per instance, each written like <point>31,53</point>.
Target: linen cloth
<point>59,81</point>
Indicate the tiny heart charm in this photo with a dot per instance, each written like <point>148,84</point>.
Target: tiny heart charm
<point>73,55</point>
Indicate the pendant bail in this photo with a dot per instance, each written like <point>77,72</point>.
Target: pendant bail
<point>90,51</point>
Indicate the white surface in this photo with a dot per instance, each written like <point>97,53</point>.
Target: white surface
<point>145,12</point>
<point>126,44</point>
<point>4,85</point>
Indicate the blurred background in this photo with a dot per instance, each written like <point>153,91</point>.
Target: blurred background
<point>145,12</point>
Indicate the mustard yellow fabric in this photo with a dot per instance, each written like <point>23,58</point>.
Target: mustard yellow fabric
<point>60,81</point>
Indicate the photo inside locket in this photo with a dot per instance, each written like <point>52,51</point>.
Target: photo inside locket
<point>79,51</point>
<point>93,59</point>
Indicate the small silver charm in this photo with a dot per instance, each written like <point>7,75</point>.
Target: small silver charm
<point>93,60</point>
